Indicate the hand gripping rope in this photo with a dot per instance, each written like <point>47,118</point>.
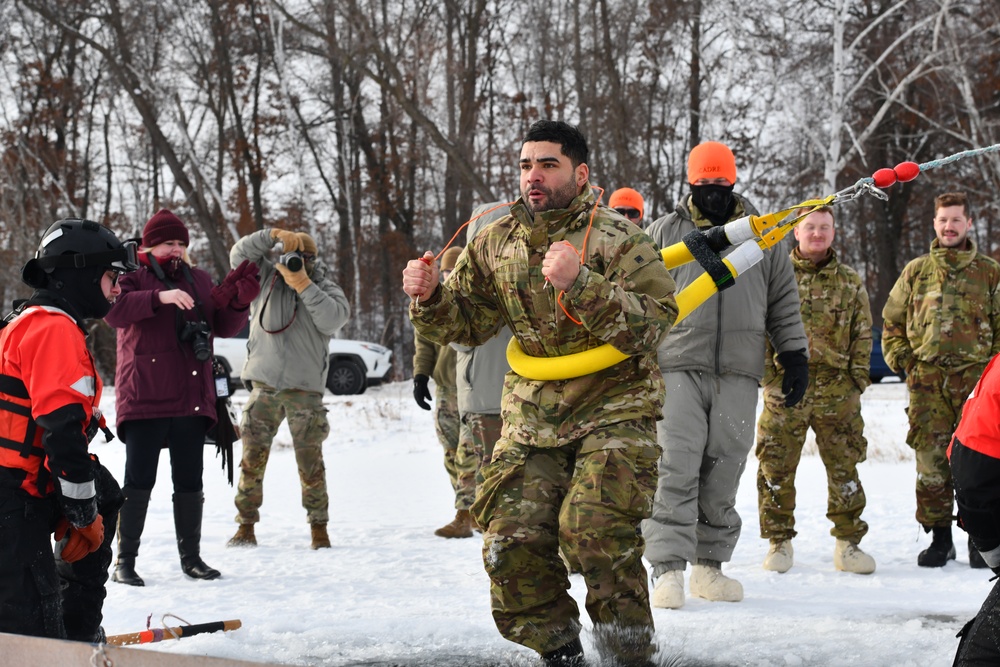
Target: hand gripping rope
<point>428,260</point>
<point>751,235</point>
<point>581,253</point>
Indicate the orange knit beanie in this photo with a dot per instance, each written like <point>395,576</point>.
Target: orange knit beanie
<point>711,160</point>
<point>627,198</point>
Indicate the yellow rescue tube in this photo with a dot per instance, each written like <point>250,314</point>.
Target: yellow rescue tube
<point>598,358</point>
<point>565,367</point>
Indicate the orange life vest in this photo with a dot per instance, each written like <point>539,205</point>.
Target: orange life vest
<point>979,429</point>
<point>44,365</point>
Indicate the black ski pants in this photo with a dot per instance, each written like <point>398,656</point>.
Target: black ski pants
<point>40,594</point>
<point>184,437</point>
<point>980,638</point>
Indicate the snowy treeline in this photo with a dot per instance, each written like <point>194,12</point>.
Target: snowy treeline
<point>377,125</point>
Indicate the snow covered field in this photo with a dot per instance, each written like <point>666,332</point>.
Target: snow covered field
<point>391,593</point>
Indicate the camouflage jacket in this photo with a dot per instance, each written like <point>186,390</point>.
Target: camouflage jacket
<point>434,361</point>
<point>727,333</point>
<point>838,322</point>
<point>623,296</point>
<point>943,310</point>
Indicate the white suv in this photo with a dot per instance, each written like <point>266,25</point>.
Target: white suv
<point>354,365</point>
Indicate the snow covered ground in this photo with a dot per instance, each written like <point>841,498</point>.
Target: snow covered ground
<point>391,593</point>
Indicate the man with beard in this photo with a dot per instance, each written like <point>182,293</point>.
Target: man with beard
<point>576,460</point>
<point>941,324</point>
<point>712,363</point>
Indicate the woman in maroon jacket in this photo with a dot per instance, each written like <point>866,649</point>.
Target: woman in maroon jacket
<point>974,454</point>
<point>167,315</point>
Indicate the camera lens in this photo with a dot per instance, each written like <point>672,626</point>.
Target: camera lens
<point>293,262</point>
<point>197,333</point>
<point>202,348</point>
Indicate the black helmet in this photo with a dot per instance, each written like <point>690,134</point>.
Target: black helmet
<point>72,257</point>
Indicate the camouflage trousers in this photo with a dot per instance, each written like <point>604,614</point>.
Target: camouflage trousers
<point>936,399</point>
<point>589,497</point>
<point>478,434</point>
<point>483,431</point>
<point>459,459</point>
<point>832,407</point>
<point>307,421</point>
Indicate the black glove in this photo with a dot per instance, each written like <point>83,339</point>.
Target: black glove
<point>96,424</point>
<point>420,392</point>
<point>796,378</point>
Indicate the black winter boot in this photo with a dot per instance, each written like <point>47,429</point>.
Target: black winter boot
<point>976,560</point>
<point>567,655</point>
<point>187,523</point>
<point>941,550</point>
<point>131,521</point>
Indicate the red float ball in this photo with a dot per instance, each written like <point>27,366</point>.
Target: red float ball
<point>907,171</point>
<point>884,177</point>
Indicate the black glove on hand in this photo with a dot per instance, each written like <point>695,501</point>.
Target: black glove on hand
<point>421,394</point>
<point>796,378</point>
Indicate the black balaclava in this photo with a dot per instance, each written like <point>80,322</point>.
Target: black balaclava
<point>82,289</point>
<point>716,202</point>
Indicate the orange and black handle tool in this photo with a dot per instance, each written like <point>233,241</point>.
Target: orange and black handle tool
<point>160,634</point>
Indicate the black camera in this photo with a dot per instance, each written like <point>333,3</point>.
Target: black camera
<point>197,333</point>
<point>293,260</point>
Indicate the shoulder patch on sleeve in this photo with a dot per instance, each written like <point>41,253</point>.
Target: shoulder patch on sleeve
<point>636,258</point>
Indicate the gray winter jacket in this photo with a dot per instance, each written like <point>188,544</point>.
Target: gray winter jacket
<point>726,334</point>
<point>290,333</point>
<point>480,372</point>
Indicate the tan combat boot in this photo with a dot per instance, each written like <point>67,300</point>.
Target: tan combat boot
<point>460,526</point>
<point>780,556</point>
<point>708,582</point>
<point>244,537</point>
<point>320,540</point>
<point>848,557</point>
<point>668,591</point>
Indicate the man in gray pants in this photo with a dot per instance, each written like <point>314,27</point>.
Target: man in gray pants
<point>712,363</point>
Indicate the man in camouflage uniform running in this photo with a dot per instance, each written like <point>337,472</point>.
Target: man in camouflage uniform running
<point>291,323</point>
<point>438,361</point>
<point>837,320</point>
<point>577,459</point>
<point>942,326</point>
